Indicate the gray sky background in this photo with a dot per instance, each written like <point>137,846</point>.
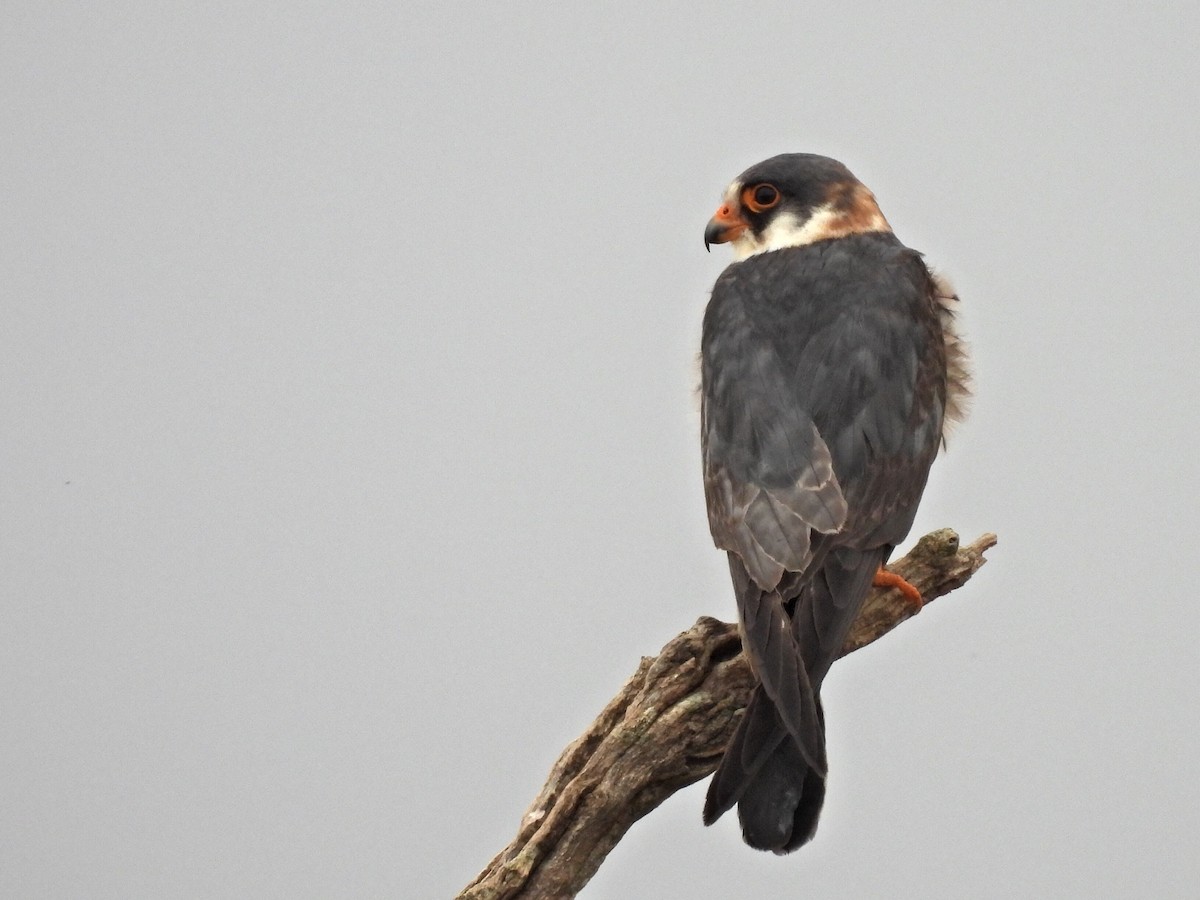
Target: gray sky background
<point>351,459</point>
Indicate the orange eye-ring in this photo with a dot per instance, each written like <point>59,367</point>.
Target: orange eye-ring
<point>760,197</point>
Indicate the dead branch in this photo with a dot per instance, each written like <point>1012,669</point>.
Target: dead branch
<point>667,728</point>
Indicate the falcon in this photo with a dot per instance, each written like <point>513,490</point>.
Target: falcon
<point>830,369</point>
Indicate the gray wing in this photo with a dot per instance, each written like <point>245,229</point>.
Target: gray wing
<point>768,474</point>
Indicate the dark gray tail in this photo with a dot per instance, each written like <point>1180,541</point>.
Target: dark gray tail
<point>774,768</point>
<point>778,794</point>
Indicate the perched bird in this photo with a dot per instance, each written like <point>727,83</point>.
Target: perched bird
<point>830,370</point>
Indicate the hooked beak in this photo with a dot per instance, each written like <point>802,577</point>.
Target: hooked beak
<point>727,225</point>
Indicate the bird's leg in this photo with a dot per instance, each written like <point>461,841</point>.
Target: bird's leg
<point>886,579</point>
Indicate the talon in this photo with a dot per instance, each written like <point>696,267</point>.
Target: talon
<point>885,579</point>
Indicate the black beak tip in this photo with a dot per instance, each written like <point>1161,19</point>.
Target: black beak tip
<point>714,233</point>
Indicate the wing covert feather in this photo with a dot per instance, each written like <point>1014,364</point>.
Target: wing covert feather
<point>768,474</point>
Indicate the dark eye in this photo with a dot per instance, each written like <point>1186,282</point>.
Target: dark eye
<point>765,195</point>
<point>760,197</point>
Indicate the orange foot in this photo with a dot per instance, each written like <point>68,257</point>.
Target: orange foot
<point>886,579</point>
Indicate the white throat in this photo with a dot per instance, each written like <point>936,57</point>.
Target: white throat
<point>827,221</point>
<point>785,230</point>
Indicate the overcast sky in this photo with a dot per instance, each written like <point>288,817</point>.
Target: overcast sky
<point>347,367</point>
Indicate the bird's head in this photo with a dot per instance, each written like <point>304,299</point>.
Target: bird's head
<point>790,200</point>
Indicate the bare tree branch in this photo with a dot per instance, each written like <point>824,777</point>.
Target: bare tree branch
<point>667,728</point>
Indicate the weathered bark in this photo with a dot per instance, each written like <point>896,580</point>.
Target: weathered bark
<point>667,728</point>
